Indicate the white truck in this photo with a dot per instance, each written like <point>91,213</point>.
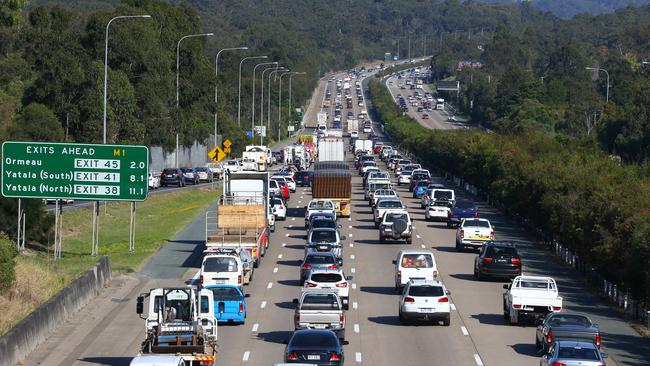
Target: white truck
<point>353,126</point>
<point>331,149</point>
<point>321,117</point>
<point>259,154</point>
<point>363,145</point>
<point>440,104</point>
<point>179,322</point>
<point>530,296</point>
<point>335,132</point>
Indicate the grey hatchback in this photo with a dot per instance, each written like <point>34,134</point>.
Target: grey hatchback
<point>317,260</point>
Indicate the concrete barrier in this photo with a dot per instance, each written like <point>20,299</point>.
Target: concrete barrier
<point>23,338</point>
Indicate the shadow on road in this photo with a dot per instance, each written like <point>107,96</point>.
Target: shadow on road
<point>385,320</point>
<point>491,319</point>
<point>279,336</point>
<point>380,290</point>
<point>527,349</point>
<point>289,282</point>
<point>109,361</point>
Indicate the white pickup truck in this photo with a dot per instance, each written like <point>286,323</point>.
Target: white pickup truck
<point>530,296</point>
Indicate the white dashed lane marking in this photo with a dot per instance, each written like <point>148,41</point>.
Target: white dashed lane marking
<point>417,236</point>
<point>284,244</point>
<point>356,328</point>
<point>453,307</point>
<point>464,330</point>
<point>290,226</point>
<point>275,270</point>
<point>477,358</point>
<point>359,358</point>
<point>352,256</point>
<point>247,354</point>
<point>263,305</point>
<point>351,245</point>
<point>269,285</point>
<point>351,235</point>
<point>287,235</point>
<point>355,305</point>
<point>279,256</point>
<point>423,246</point>
<point>349,219</point>
<point>350,227</point>
<point>293,219</point>
<point>354,286</point>
<point>255,327</point>
<point>353,270</point>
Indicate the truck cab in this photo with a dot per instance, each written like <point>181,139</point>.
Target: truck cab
<point>224,266</point>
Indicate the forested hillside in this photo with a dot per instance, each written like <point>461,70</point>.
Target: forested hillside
<point>569,8</point>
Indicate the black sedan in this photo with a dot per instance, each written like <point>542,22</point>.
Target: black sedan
<point>317,347</point>
<point>497,259</point>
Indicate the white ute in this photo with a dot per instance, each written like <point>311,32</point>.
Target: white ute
<point>530,296</point>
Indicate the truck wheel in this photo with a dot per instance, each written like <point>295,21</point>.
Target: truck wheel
<point>446,321</point>
<point>256,264</point>
<point>505,310</point>
<point>409,241</point>
<point>513,317</point>
<point>448,225</point>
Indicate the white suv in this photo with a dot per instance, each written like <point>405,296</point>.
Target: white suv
<point>425,300</point>
<point>330,279</point>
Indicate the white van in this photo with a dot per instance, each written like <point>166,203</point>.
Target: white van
<point>222,267</point>
<point>414,264</point>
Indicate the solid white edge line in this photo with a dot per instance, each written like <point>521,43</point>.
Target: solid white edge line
<point>247,354</point>
<point>255,327</point>
<point>263,304</point>
<point>355,305</point>
<point>359,358</point>
<point>464,330</point>
<point>356,328</point>
<point>477,358</point>
<point>269,285</point>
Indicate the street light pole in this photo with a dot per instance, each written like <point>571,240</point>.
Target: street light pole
<point>239,86</point>
<point>106,61</point>
<point>268,107</point>
<point>291,77</point>
<point>262,93</point>
<point>606,73</point>
<point>279,102</point>
<point>216,74</point>
<point>254,79</point>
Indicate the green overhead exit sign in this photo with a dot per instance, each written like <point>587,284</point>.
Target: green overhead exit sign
<point>76,171</point>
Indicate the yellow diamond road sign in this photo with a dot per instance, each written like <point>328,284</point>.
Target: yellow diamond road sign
<point>216,154</point>
<point>227,150</point>
<point>227,144</point>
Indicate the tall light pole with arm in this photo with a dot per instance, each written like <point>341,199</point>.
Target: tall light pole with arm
<point>239,86</point>
<point>254,79</point>
<point>216,74</point>
<point>262,93</point>
<point>106,61</point>
<point>606,73</point>
<point>268,107</point>
<point>280,101</point>
<point>178,47</point>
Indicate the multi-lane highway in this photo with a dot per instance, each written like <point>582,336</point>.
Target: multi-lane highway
<point>108,331</point>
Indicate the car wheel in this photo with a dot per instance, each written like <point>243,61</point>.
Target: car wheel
<point>409,241</point>
<point>448,225</point>
<point>381,239</point>
<point>459,247</point>
<point>479,276</point>
<point>475,273</point>
<point>402,319</point>
<point>446,321</point>
<point>537,344</point>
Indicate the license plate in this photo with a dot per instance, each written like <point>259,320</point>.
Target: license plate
<point>426,310</point>
<point>169,176</point>
<point>502,260</point>
<point>477,237</point>
<point>320,326</point>
<point>323,247</point>
<point>313,357</point>
<point>220,282</point>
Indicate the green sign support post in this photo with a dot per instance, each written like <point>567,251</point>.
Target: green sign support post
<point>75,171</point>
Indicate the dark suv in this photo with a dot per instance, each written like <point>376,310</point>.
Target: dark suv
<point>304,178</point>
<point>497,259</point>
<point>172,176</point>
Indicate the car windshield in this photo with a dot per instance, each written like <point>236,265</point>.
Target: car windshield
<point>426,291</point>
<point>417,261</point>
<point>568,319</point>
<point>406,173</point>
<point>323,236</point>
<point>376,186</point>
<point>497,251</point>
<point>442,194</point>
<point>186,170</point>
<point>320,259</point>
<point>321,205</point>
<point>404,162</point>
<point>323,223</point>
<point>421,183</point>
<point>369,163</point>
<point>169,171</point>
<point>390,204</point>
<point>225,293</point>
<point>385,192</point>
<point>465,205</point>
<point>277,202</point>
<point>536,284</point>
<point>219,264</point>
<point>577,353</point>
<point>392,217</point>
<point>476,223</point>
<point>326,277</point>
<point>314,340</point>
<point>201,169</point>
<point>320,302</point>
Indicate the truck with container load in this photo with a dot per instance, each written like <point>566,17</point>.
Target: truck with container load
<point>335,132</point>
<point>259,154</point>
<point>353,126</point>
<point>362,145</point>
<point>179,322</point>
<point>334,185</point>
<point>331,149</point>
<point>242,216</point>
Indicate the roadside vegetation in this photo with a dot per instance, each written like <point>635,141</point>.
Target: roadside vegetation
<point>38,277</point>
<point>589,202</point>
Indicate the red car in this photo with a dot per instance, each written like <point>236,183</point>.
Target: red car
<point>377,148</point>
<point>284,189</point>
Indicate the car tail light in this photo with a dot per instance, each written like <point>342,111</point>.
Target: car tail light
<point>462,233</point>
<point>241,307</point>
<point>201,279</point>
<point>598,339</point>
<point>297,317</point>
<point>239,279</point>
<point>475,214</point>
<point>334,357</point>
<point>342,285</point>
<point>558,364</point>
<point>516,306</point>
<point>292,357</point>
<point>487,260</point>
<point>557,308</point>
<point>332,266</point>
<point>341,318</point>
<point>492,235</point>
<point>549,337</point>
<point>515,261</point>
<point>443,299</point>
<point>399,276</point>
<point>306,266</point>
<point>309,284</point>
<point>449,213</point>
<point>409,299</point>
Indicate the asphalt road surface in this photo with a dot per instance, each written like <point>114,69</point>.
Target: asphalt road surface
<point>108,331</point>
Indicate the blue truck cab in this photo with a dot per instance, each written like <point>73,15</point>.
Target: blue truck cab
<point>229,303</point>
<point>462,209</point>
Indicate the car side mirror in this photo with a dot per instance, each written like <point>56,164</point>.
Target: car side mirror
<point>394,261</point>
<point>285,341</point>
<point>305,207</point>
<point>139,306</point>
<point>340,226</point>
<point>339,262</point>
<point>247,295</point>
<point>343,237</point>
<point>447,292</point>
<point>295,301</point>
<point>604,355</point>
<point>349,278</point>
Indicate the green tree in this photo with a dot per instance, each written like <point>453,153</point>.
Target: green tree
<point>7,262</point>
<point>37,123</point>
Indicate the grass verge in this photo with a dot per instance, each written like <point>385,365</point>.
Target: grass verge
<point>158,219</point>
